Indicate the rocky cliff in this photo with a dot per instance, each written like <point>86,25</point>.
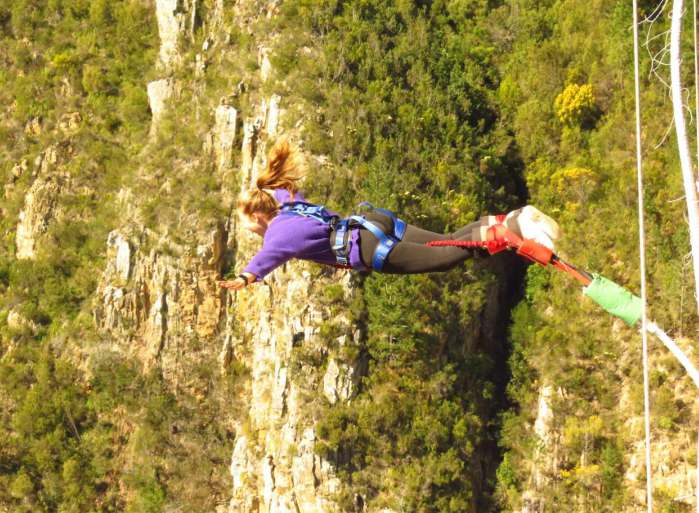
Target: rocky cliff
<point>311,391</point>
<point>167,309</point>
<point>131,382</point>
<point>567,443</point>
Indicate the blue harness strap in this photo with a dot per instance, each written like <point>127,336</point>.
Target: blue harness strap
<point>385,245</point>
<point>342,229</point>
<point>317,212</point>
<point>398,224</point>
<point>386,242</point>
<point>340,245</point>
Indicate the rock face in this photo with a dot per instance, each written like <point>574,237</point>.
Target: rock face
<point>159,301</point>
<point>224,135</point>
<point>264,63</point>
<point>340,381</point>
<point>40,202</point>
<point>171,24</point>
<point>159,92</point>
<point>151,301</point>
<point>274,464</point>
<point>155,304</point>
<point>544,461</point>
<point>18,322</point>
<point>122,260</point>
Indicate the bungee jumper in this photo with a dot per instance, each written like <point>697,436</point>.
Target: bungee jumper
<point>378,241</point>
<point>291,227</point>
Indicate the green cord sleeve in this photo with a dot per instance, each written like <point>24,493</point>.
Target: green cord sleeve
<point>614,299</point>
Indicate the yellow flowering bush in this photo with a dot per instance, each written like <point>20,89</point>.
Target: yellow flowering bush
<point>575,104</point>
<point>573,183</point>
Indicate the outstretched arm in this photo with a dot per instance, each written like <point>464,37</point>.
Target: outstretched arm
<point>272,255</point>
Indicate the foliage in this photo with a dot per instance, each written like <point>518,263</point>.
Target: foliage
<point>78,61</point>
<point>575,105</point>
<point>74,74</point>
<point>441,110</point>
<point>50,426</point>
<point>567,78</point>
<point>405,96</point>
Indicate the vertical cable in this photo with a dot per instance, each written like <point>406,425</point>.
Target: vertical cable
<point>696,126</point>
<point>696,81</point>
<point>642,251</point>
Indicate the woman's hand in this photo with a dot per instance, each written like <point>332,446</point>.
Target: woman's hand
<point>240,282</point>
<point>237,284</point>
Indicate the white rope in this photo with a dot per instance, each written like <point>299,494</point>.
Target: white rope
<point>642,251</point>
<point>682,144</point>
<point>696,126</point>
<point>675,350</point>
<point>696,101</point>
<point>690,185</point>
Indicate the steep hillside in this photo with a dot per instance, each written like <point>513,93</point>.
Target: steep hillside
<point>130,381</point>
<point>575,439</point>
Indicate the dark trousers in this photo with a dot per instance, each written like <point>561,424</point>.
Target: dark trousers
<point>411,255</point>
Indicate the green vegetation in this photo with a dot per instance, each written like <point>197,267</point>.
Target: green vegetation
<point>575,105</point>
<point>110,438</point>
<point>434,109</point>
<point>567,90</point>
<point>407,93</point>
<point>67,443</point>
<point>442,110</point>
<point>75,71</point>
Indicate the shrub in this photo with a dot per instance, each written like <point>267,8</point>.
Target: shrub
<point>575,105</point>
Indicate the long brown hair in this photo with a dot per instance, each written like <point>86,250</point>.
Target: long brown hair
<point>284,170</point>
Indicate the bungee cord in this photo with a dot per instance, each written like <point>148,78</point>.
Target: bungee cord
<point>642,258</point>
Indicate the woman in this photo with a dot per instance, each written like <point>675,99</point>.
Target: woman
<point>293,228</point>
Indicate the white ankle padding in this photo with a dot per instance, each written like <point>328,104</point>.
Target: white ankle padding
<point>537,226</point>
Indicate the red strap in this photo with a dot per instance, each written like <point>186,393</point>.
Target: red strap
<point>495,241</point>
<point>567,268</point>
<point>499,238</point>
<point>535,252</point>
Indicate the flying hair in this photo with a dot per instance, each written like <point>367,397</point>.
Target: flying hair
<point>284,170</point>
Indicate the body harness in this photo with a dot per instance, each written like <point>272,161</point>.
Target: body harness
<point>340,242</point>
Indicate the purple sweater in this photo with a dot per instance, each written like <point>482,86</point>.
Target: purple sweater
<point>293,236</point>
